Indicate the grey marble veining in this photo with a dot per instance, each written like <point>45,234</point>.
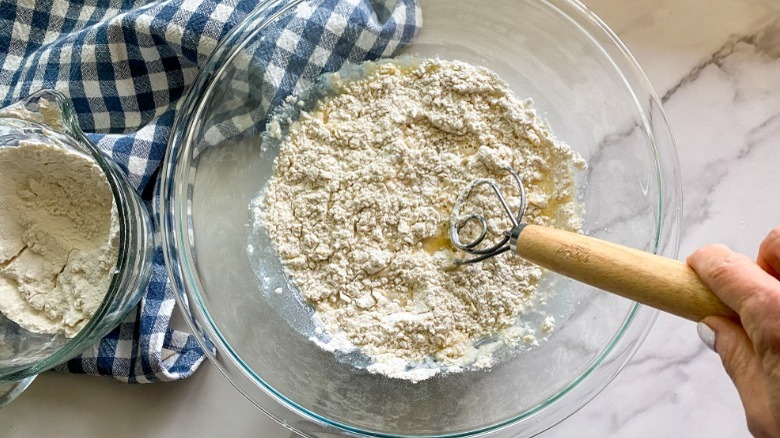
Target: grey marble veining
<point>716,67</point>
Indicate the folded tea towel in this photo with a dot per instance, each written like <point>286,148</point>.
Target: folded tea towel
<point>126,64</point>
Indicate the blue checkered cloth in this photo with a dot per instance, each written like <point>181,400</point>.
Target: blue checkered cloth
<point>126,64</point>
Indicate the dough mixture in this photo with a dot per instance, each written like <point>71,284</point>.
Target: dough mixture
<point>360,201</point>
<point>58,237</point>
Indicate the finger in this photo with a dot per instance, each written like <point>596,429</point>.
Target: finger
<point>745,369</point>
<point>746,288</point>
<point>769,253</point>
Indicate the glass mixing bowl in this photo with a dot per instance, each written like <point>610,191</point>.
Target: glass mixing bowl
<point>596,99</point>
<point>50,119</point>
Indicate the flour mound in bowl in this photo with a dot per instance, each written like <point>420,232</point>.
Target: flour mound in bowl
<point>360,202</point>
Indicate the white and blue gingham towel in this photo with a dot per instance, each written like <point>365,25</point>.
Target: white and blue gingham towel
<point>126,64</point>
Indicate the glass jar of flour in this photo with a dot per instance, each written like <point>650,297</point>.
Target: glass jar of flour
<point>76,242</point>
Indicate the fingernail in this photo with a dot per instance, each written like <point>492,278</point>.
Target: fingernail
<point>706,335</point>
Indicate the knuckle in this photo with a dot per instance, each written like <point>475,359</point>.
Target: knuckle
<point>712,247</point>
<point>701,255</point>
<point>758,308</point>
<point>728,267</point>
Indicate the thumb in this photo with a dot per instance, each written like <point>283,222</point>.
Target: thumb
<point>735,350</point>
<point>745,369</point>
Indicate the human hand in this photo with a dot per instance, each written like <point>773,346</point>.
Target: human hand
<point>750,351</point>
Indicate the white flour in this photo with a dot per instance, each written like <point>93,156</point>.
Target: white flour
<point>58,237</point>
<point>360,202</point>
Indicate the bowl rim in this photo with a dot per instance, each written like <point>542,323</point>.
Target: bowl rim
<point>182,270</point>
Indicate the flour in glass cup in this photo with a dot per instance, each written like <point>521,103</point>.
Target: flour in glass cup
<point>59,231</point>
<point>359,206</point>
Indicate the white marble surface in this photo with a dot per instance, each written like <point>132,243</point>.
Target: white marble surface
<point>717,65</point>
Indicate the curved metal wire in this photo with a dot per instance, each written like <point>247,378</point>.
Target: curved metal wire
<point>458,221</point>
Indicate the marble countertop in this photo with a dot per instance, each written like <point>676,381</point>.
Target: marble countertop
<point>716,64</point>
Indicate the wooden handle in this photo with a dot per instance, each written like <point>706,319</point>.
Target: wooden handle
<point>660,282</point>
